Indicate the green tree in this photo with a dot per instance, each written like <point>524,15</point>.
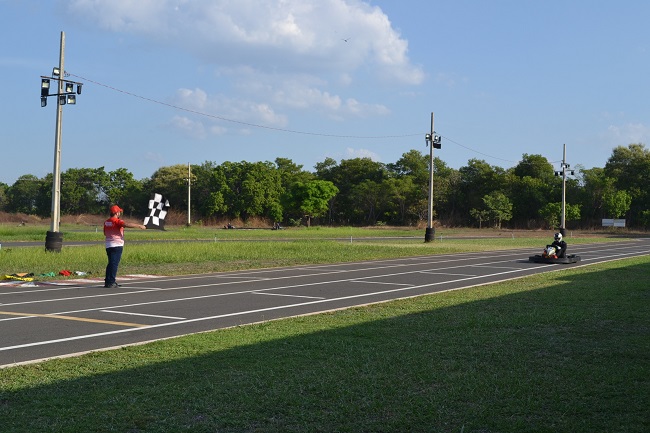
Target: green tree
<point>312,197</point>
<point>445,182</point>
<point>552,213</point>
<point>403,195</point>
<point>82,191</point>
<point>23,195</point>
<point>171,182</point>
<point>498,206</point>
<point>208,184</point>
<point>476,180</point>
<point>645,218</point>
<point>291,174</point>
<point>480,215</point>
<point>123,189</point>
<point>248,190</point>
<point>535,166</point>
<point>347,176</point>
<point>369,198</point>
<point>529,195</point>
<point>408,189</point>
<point>262,191</point>
<point>414,164</point>
<point>616,203</point>
<point>3,196</point>
<point>593,184</point>
<point>630,167</point>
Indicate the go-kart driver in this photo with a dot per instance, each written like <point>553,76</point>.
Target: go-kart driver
<point>560,246</point>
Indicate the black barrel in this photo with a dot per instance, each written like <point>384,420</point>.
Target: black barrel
<point>430,234</point>
<point>53,241</point>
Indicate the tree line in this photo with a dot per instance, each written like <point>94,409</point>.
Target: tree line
<point>360,191</point>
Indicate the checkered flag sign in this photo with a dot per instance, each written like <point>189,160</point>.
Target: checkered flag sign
<point>158,206</point>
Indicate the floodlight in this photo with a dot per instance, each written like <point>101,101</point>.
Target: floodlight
<point>45,87</point>
<point>43,101</point>
<point>437,142</point>
<point>78,88</point>
<point>71,99</point>
<point>69,87</point>
<point>62,100</point>
<point>56,72</point>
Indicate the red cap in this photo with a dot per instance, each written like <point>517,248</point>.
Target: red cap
<point>115,209</point>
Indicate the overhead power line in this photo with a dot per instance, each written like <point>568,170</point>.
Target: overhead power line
<point>290,131</point>
<point>254,125</point>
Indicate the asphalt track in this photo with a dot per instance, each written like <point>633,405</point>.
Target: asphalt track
<point>45,320</point>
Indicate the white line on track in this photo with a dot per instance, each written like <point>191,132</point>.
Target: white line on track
<point>379,282</point>
<point>447,273</point>
<point>236,292</point>
<point>244,313</point>
<point>143,315</point>
<point>255,292</point>
<point>289,306</point>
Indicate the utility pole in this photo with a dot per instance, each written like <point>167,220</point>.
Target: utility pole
<point>65,94</point>
<point>433,141</point>
<point>189,185</point>
<point>56,172</point>
<point>563,173</point>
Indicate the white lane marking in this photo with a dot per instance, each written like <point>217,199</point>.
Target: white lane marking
<point>493,267</point>
<point>447,273</point>
<point>413,261</point>
<point>402,262</point>
<point>143,315</point>
<point>379,282</point>
<point>255,292</point>
<point>244,313</point>
<point>270,279</point>
<point>212,295</point>
<point>281,307</point>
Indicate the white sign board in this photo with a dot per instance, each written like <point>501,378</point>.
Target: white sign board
<point>611,222</point>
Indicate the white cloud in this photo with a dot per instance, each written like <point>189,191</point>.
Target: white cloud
<point>351,153</point>
<point>291,35</point>
<point>290,93</point>
<point>215,110</point>
<point>191,128</point>
<point>273,58</point>
<point>627,134</point>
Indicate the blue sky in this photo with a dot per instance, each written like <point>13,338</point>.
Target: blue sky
<point>187,81</point>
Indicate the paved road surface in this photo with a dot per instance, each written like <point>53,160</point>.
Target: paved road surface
<point>40,321</point>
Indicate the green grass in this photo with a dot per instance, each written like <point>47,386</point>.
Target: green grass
<point>215,250</point>
<point>567,351</point>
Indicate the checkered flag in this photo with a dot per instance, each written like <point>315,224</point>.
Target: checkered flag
<point>158,206</point>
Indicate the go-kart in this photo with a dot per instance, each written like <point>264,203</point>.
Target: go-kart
<point>549,255</point>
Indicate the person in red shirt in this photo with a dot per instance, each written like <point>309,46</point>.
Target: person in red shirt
<point>114,233</point>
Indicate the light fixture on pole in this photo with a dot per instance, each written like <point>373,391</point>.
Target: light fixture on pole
<point>434,141</point>
<point>564,171</point>
<point>65,95</point>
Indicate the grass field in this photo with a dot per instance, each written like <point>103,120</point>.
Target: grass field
<point>567,351</point>
<point>212,250</point>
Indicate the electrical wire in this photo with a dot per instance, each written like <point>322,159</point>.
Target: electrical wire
<point>254,125</point>
<point>291,131</point>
